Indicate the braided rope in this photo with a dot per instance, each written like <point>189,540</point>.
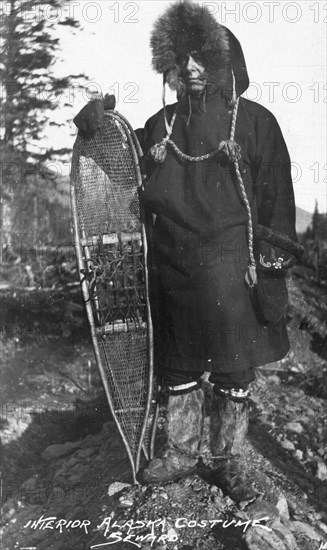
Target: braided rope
<point>184,156</point>
<point>234,118</point>
<point>230,148</point>
<point>252,275</point>
<point>249,213</point>
<point>233,152</point>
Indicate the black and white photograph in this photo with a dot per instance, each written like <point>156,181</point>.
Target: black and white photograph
<point>163,275</point>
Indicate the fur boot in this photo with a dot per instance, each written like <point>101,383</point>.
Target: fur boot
<point>184,432</point>
<point>228,428</point>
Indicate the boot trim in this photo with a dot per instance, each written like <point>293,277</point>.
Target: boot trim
<point>233,394</point>
<point>182,389</point>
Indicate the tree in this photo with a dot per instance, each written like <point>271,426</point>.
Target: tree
<point>315,222</point>
<point>29,48</point>
<point>317,228</point>
<point>28,51</point>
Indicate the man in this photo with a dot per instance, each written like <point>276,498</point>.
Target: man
<point>220,190</point>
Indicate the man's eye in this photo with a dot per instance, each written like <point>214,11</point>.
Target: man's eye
<point>182,60</point>
<point>197,57</point>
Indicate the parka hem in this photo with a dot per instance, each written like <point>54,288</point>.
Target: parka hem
<point>207,365</point>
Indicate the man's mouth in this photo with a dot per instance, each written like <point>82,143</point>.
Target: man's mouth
<point>195,85</point>
<point>194,79</point>
<point>195,82</point>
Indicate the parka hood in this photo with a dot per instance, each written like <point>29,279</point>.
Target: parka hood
<point>187,27</point>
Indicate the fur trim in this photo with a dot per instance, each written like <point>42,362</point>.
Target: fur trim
<point>183,28</point>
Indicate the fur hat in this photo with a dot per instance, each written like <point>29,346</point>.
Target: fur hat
<point>187,27</point>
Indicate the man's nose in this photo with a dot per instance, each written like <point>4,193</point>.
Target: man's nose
<point>191,65</point>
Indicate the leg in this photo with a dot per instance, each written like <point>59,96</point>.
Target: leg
<point>228,429</point>
<point>184,429</point>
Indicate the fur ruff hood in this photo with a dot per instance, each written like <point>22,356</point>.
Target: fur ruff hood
<point>186,27</point>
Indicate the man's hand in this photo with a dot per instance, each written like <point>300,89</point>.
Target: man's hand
<point>91,117</point>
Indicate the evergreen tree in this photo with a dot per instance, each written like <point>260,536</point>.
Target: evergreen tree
<point>28,50</point>
<point>315,221</point>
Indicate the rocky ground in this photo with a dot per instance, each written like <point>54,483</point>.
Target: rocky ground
<point>66,482</point>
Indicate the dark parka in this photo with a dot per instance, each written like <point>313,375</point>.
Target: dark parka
<point>205,316</point>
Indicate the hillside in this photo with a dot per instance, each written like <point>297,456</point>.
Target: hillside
<point>62,456</point>
<point>303,220</point>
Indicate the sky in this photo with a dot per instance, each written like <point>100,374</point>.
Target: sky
<point>284,44</point>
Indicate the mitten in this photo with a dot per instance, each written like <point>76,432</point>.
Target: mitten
<point>274,253</point>
<point>91,117</point>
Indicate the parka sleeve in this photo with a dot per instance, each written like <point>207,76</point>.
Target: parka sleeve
<point>274,187</point>
<point>276,216</point>
<point>274,194</point>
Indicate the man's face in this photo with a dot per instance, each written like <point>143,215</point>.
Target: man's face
<point>194,75</point>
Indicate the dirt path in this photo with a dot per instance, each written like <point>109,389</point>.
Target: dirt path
<point>62,456</point>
